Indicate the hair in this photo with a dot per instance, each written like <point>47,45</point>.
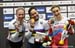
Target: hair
<point>54,6</point>
<point>31,10</point>
<point>20,8</point>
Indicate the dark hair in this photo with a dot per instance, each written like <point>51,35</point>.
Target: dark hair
<point>30,10</point>
<point>20,8</point>
<point>54,6</point>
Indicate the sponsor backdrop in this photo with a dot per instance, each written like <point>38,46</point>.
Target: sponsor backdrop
<point>43,7</point>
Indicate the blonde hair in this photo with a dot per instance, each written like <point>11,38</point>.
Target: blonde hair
<point>20,8</point>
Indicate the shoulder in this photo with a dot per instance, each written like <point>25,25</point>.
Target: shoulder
<point>11,24</point>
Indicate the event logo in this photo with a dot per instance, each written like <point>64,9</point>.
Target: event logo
<point>8,17</point>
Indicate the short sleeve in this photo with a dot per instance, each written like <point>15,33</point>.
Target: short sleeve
<point>11,25</point>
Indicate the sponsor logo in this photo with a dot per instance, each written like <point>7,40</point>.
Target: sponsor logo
<point>40,9</point>
<point>48,16</point>
<point>8,17</point>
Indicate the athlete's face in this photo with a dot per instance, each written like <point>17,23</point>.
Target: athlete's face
<point>34,14</point>
<point>20,14</point>
<point>56,11</point>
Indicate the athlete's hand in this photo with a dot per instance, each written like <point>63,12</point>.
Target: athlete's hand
<point>72,22</point>
<point>17,27</point>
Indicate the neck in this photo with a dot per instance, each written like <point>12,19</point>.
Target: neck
<point>58,18</point>
<point>20,21</point>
